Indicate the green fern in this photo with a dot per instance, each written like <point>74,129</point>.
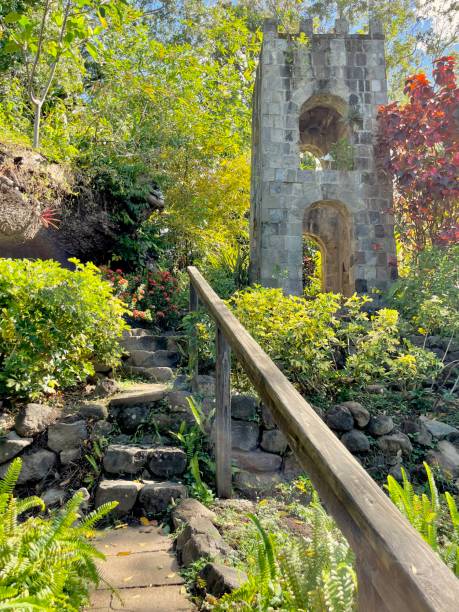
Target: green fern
<point>45,564</point>
<point>437,522</point>
<point>298,574</point>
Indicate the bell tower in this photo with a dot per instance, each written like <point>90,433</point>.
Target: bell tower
<point>314,171</point>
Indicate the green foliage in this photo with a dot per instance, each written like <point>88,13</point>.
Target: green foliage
<point>330,341</point>
<point>227,269</point>
<point>435,519</point>
<point>298,574</point>
<point>428,296</point>
<point>342,155</point>
<point>47,564</point>
<point>194,441</point>
<point>54,324</point>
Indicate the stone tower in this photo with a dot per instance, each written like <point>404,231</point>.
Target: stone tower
<point>320,100</point>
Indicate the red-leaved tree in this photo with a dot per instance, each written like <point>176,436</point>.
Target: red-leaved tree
<point>419,148</point>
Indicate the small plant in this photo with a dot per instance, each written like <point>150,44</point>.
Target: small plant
<point>437,522</point>
<point>47,564</point>
<point>194,442</point>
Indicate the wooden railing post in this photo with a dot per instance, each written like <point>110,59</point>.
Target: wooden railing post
<point>223,416</point>
<point>193,361</point>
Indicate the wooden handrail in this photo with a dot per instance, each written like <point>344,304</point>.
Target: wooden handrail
<point>397,571</point>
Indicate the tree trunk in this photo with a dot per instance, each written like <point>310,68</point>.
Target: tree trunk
<point>36,126</point>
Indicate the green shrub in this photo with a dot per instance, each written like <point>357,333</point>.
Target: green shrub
<point>435,519</point>
<point>329,342</point>
<point>46,564</point>
<point>428,296</point>
<point>54,324</point>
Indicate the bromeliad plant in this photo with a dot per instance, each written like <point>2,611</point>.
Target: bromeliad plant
<point>435,519</point>
<point>47,564</point>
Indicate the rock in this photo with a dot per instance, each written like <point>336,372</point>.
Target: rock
<point>62,436</point>
<point>93,410</point>
<point>392,443</point>
<point>205,385</point>
<point>274,441</point>
<point>396,472</point>
<point>155,497</point>
<point>318,410</point>
<point>102,368</point>
<point>158,375</point>
<point>86,497</point>
<point>181,383</point>
<point>360,414</point>
<point>340,418</point>
<point>6,422</point>
<point>244,435</point>
<point>105,387</point>
<point>167,461</point>
<point>203,545</point>
<point>33,419</point>
<point>101,429</point>
<point>380,425</point>
<point>36,466</point>
<point>417,429</point>
<point>438,429</point>
<point>356,441</point>
<point>197,525</point>
<point>179,399</point>
<point>292,469</point>
<point>189,508</point>
<point>123,491</point>
<point>446,457</point>
<point>125,459</point>
<point>142,394</point>
<point>153,359</point>
<point>53,497</point>
<point>220,579</point>
<point>375,389</point>
<point>267,417</point>
<point>11,445</point>
<point>244,407</point>
<point>253,485</point>
<point>131,417</point>
<point>256,461</point>
<point>70,455</point>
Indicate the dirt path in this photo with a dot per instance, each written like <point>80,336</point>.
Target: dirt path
<point>142,567</point>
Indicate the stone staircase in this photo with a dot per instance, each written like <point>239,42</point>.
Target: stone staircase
<point>142,467</point>
<point>151,356</point>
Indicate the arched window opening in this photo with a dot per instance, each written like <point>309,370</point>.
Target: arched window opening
<point>328,224</point>
<point>325,133</point>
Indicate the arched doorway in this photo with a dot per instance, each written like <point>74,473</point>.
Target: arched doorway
<point>328,223</point>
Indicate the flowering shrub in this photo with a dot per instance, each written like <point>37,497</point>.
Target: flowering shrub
<point>150,296</point>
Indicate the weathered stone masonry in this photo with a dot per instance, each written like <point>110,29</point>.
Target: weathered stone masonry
<point>308,97</point>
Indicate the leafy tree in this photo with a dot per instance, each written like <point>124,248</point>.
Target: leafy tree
<point>52,30</point>
<point>420,146</point>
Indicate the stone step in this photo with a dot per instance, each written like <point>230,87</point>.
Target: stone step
<point>149,343</point>
<point>151,497</point>
<point>156,461</point>
<point>153,359</point>
<point>137,395</point>
<point>159,375</point>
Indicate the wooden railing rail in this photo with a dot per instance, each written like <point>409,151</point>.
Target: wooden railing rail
<point>397,571</point>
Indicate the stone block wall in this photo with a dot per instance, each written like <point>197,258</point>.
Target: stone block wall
<point>347,211</point>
